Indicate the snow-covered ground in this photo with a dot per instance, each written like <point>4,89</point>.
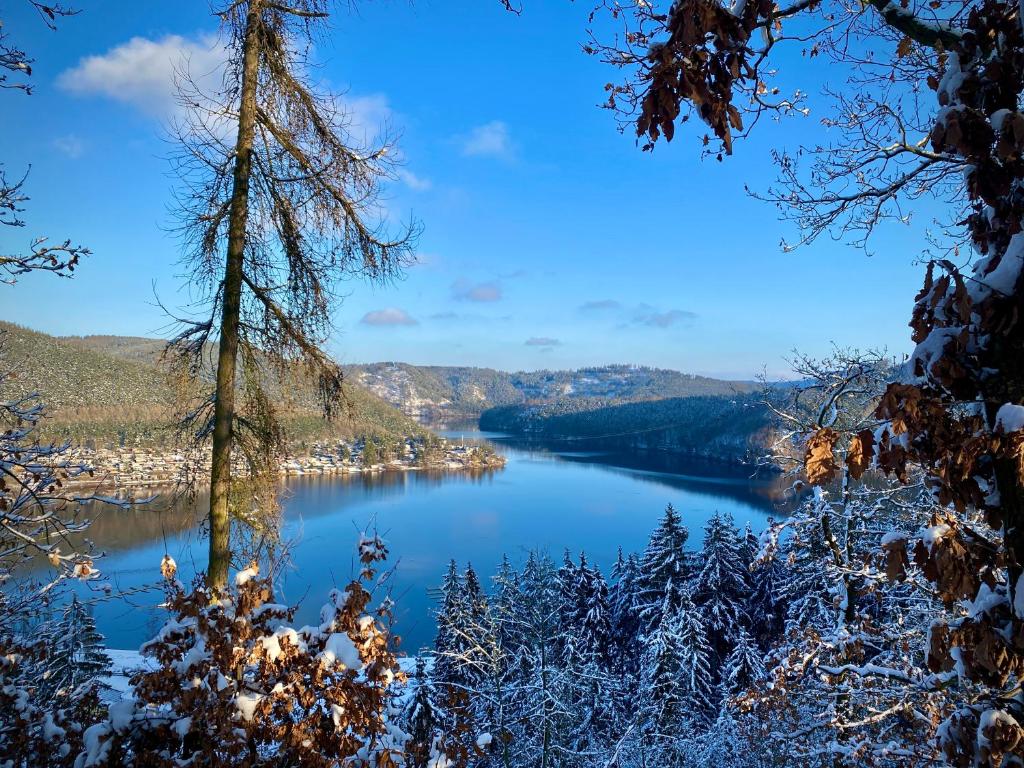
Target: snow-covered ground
<point>123,664</point>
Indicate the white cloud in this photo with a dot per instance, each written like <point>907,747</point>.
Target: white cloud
<point>389,316</point>
<point>489,140</point>
<point>141,72</point>
<point>484,292</point>
<point>414,182</point>
<point>369,117</point>
<point>70,145</point>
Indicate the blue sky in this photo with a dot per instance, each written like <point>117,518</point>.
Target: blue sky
<point>549,239</point>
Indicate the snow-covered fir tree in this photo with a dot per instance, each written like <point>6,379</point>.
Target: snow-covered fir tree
<point>663,561</point>
<point>540,709</point>
<point>744,667</point>
<point>725,744</point>
<point>698,672</point>
<point>475,628</point>
<point>420,719</point>
<point>806,579</point>
<point>767,604</point>
<point>751,545</point>
<point>594,612</point>
<point>720,587</point>
<point>596,693</point>
<point>450,642</point>
<point>76,654</point>
<point>506,606</point>
<point>663,688</point>
<point>624,600</point>
<point>568,598</point>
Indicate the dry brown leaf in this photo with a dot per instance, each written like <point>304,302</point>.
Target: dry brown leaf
<point>896,559</point>
<point>819,459</point>
<point>860,453</point>
<point>168,568</point>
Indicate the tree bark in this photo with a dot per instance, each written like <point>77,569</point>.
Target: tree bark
<point>227,356</point>
<point>932,35</point>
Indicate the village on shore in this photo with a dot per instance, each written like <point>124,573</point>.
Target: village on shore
<point>140,466</point>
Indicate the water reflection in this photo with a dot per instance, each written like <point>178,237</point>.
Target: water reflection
<point>546,497</point>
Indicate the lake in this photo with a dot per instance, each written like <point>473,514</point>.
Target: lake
<point>547,497</point>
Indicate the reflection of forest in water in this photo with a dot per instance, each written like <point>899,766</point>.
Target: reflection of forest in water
<point>174,517</point>
<point>170,514</point>
<point>116,528</point>
<point>546,497</point>
<point>764,489</point>
<point>336,491</point>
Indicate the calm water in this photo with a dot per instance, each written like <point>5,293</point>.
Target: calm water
<point>544,498</point>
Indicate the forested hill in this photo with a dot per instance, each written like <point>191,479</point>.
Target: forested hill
<point>433,393</point>
<point>730,429</point>
<point>108,388</point>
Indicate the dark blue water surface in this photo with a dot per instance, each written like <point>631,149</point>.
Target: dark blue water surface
<point>545,498</point>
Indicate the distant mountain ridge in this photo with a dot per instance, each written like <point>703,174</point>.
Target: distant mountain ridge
<point>450,393</point>
<point>109,388</point>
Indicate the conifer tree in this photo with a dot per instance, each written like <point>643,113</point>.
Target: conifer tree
<point>420,719</point>
<point>277,212</point>
<point>724,745</point>
<point>744,667</point>
<point>506,607</point>
<point>664,561</point>
<point>594,721</point>
<point>720,588</point>
<point>663,677</point>
<point>750,546</point>
<point>473,594</point>
<point>593,614</point>
<point>450,641</point>
<point>624,600</point>
<point>76,651</point>
<point>475,628</point>
<point>370,454</point>
<point>571,693</point>
<point>807,579</point>
<point>663,688</point>
<point>506,617</point>
<point>767,604</point>
<point>541,708</point>
<point>485,662</point>
<point>568,586</point>
<point>697,659</point>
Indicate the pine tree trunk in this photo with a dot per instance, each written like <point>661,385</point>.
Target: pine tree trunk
<point>224,411</point>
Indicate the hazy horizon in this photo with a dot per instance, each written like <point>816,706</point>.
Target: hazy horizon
<point>383,361</point>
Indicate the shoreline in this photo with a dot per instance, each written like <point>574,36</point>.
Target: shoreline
<point>140,467</point>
